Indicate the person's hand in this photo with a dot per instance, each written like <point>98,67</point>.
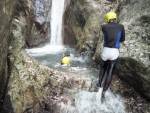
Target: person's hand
<point>123,44</point>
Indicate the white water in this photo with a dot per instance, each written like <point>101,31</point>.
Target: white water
<point>56,22</point>
<point>55,45</point>
<point>47,49</point>
<point>89,102</point>
<point>85,102</point>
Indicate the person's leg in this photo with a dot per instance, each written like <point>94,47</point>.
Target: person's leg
<point>103,69</point>
<point>110,70</point>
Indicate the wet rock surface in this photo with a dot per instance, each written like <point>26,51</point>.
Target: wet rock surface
<point>64,95</point>
<point>133,101</point>
<point>135,74</point>
<point>37,28</point>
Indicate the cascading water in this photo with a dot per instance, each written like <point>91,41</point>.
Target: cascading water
<point>55,45</point>
<point>56,22</point>
<point>89,102</point>
<point>50,55</point>
<point>84,100</point>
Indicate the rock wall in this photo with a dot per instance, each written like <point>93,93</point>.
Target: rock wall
<point>37,21</point>
<point>134,15</point>
<point>135,19</point>
<point>6,12</point>
<point>16,19</point>
<point>84,18</point>
<point>28,81</point>
<point>87,16</point>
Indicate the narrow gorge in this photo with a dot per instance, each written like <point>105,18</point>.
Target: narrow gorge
<point>35,34</point>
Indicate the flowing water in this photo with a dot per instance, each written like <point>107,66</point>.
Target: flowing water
<point>52,55</point>
<point>81,65</point>
<point>56,22</point>
<point>89,102</point>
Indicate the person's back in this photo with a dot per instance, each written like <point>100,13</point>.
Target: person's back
<point>113,34</point>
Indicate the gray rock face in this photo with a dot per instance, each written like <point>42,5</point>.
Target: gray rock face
<point>6,15</point>
<point>84,21</point>
<point>12,60</point>
<point>135,74</point>
<point>37,21</point>
<point>134,16</point>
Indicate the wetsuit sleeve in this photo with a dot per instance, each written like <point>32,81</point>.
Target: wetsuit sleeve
<point>123,35</point>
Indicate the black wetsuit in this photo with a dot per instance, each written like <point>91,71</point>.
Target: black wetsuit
<point>113,34</point>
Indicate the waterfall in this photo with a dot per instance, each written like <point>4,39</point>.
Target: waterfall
<point>55,45</point>
<point>56,22</point>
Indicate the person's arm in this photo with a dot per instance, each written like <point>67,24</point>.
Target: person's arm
<point>122,35</point>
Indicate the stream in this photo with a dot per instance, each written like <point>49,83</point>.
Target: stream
<point>82,101</point>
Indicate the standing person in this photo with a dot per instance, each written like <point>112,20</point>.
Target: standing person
<point>113,34</point>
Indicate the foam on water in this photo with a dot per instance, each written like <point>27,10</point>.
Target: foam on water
<point>89,102</point>
<point>47,49</point>
<point>79,59</point>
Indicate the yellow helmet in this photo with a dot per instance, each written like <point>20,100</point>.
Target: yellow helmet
<point>111,15</point>
<point>65,60</point>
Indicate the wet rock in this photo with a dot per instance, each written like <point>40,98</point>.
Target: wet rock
<point>37,34</point>
<point>133,101</point>
<point>28,79</point>
<point>84,20</point>
<point>135,60</point>
<point>37,30</point>
<point>135,74</point>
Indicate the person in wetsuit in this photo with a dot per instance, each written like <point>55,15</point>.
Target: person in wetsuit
<point>114,34</point>
<point>65,61</point>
